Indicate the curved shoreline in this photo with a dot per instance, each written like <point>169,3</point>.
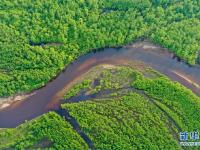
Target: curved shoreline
<point>8,101</point>
<point>48,97</point>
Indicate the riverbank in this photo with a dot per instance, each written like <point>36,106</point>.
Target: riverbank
<point>140,53</point>
<point>12,100</point>
<point>146,45</point>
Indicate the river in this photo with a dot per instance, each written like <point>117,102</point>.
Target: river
<point>48,97</point>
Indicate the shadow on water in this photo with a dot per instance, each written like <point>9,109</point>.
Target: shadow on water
<point>48,97</point>
<point>64,113</point>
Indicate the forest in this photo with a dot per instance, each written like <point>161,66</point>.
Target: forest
<point>46,131</point>
<point>39,38</point>
<point>145,110</point>
<point>118,107</point>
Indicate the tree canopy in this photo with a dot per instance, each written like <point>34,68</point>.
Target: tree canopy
<point>38,38</point>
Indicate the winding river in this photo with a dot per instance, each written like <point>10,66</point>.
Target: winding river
<point>48,97</point>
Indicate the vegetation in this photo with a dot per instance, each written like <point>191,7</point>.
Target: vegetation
<point>114,78</point>
<point>39,38</point>
<point>148,115</point>
<point>98,79</point>
<point>77,88</point>
<point>180,100</point>
<point>129,122</point>
<point>175,102</point>
<point>50,126</point>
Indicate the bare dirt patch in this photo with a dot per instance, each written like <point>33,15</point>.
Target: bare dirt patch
<point>8,101</point>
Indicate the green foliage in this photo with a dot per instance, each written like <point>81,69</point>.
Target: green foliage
<point>114,78</point>
<point>178,104</point>
<point>129,122</point>
<point>151,117</point>
<point>176,97</point>
<point>107,79</point>
<point>188,35</point>
<point>77,88</point>
<point>38,38</point>
<point>49,126</point>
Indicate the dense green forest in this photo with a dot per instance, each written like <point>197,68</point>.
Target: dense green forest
<point>141,109</point>
<point>118,107</point>
<point>183,103</point>
<point>48,131</point>
<point>39,38</point>
<point>129,122</point>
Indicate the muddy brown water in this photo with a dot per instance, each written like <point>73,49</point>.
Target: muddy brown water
<point>48,97</point>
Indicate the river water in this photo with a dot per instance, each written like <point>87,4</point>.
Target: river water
<point>48,97</point>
